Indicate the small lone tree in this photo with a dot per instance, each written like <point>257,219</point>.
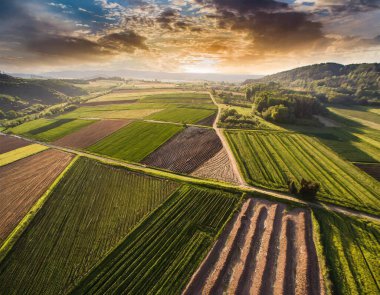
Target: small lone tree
<point>309,189</point>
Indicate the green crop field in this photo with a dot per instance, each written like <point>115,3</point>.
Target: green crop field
<point>21,153</point>
<point>270,159</point>
<point>188,98</point>
<point>160,255</point>
<point>135,141</point>
<point>351,247</point>
<point>90,211</point>
<point>182,115</point>
<point>50,130</point>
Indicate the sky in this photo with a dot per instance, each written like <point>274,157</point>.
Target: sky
<point>190,36</point>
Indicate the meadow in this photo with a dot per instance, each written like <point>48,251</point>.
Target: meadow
<point>160,255</point>
<point>87,214</point>
<point>361,114</point>
<point>351,247</point>
<point>135,141</point>
<point>271,159</point>
<point>186,115</point>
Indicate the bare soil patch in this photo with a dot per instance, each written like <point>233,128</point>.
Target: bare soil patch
<point>266,251</point>
<point>186,151</point>
<point>218,167</point>
<point>91,134</point>
<point>209,121</point>
<point>23,182</point>
<point>9,143</point>
<point>370,169</point>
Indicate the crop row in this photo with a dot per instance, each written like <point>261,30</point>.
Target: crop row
<point>91,210</point>
<point>270,159</point>
<point>162,253</point>
<point>351,247</point>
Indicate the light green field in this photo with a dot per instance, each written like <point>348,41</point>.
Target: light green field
<point>178,98</point>
<point>50,130</point>
<point>182,115</point>
<point>135,141</point>
<point>88,213</point>
<point>270,159</point>
<point>366,116</point>
<point>135,94</point>
<point>21,153</point>
<point>351,247</point>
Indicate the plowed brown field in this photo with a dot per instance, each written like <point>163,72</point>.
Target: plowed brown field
<point>23,182</point>
<point>264,250</point>
<point>186,151</point>
<point>218,167</point>
<point>209,121</point>
<point>91,134</point>
<point>9,143</point>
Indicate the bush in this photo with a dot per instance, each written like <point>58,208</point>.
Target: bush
<point>307,190</point>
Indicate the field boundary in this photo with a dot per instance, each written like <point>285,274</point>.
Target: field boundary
<point>7,245</point>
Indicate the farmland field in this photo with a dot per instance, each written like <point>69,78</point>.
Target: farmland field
<point>186,151</point>
<point>182,115</point>
<point>8,143</point>
<point>135,141</point>
<point>87,214</point>
<point>351,247</point>
<point>359,114</point>
<point>270,159</point>
<point>179,98</point>
<point>218,167</point>
<point>50,130</point>
<point>21,153</point>
<point>372,169</point>
<point>23,182</point>
<point>91,134</point>
<point>160,255</point>
<point>264,249</point>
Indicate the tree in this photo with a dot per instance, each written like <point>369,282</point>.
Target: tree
<point>309,189</point>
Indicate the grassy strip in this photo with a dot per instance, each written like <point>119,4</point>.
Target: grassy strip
<point>21,153</point>
<point>17,232</point>
<point>320,252</point>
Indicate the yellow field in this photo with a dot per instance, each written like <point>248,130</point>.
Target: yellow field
<point>21,153</point>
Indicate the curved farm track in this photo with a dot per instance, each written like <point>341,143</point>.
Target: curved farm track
<point>264,250</point>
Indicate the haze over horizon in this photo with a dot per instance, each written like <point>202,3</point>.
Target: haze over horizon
<point>186,36</point>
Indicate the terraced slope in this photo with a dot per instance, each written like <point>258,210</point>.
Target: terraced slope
<point>23,182</point>
<point>270,159</point>
<point>160,255</point>
<point>264,250</point>
<point>88,213</point>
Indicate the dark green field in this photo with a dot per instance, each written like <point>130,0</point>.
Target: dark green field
<point>90,211</point>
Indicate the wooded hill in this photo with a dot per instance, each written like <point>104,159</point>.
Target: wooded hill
<point>334,83</point>
<point>19,96</point>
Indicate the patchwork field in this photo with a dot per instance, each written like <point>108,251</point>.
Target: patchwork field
<point>218,167</point>
<point>9,143</point>
<point>264,249</point>
<point>91,134</point>
<point>270,159</point>
<point>88,213</point>
<point>186,115</point>
<point>135,141</point>
<point>50,130</point>
<point>107,102</point>
<point>161,254</point>
<point>179,98</point>
<point>23,182</point>
<point>21,153</point>
<point>186,151</point>
<point>351,247</point>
